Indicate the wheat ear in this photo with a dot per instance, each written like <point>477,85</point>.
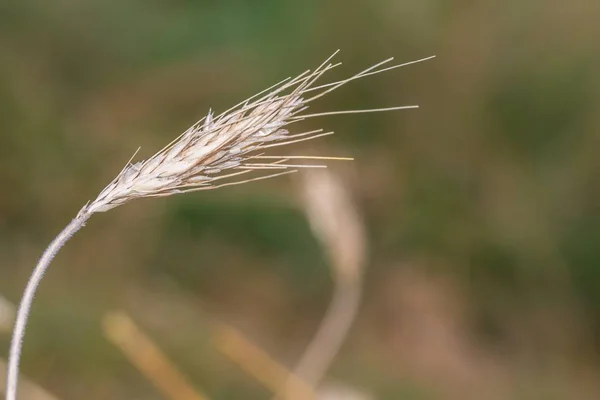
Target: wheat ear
<point>206,156</point>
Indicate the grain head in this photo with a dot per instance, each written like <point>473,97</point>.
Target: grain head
<point>220,149</point>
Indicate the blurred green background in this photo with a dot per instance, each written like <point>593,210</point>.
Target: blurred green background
<point>482,207</point>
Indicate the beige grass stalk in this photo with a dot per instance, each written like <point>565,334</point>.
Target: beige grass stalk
<point>337,225</point>
<point>215,152</point>
<point>31,390</point>
<point>148,358</point>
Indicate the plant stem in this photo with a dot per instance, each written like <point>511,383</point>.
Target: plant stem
<point>329,338</point>
<point>331,334</point>
<point>27,299</point>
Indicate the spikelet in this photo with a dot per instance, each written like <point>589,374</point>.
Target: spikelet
<point>229,145</point>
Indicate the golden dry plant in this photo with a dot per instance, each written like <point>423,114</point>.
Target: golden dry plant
<point>7,315</point>
<point>219,150</point>
<point>148,358</point>
<point>338,227</point>
<point>257,363</point>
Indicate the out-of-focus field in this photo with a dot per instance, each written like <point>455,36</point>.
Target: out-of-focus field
<point>482,207</point>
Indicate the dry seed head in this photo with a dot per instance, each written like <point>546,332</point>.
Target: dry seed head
<point>335,222</point>
<point>228,145</point>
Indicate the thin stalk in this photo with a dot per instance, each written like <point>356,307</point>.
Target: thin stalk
<point>25,306</point>
<point>328,340</point>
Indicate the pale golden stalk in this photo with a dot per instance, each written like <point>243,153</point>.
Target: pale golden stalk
<point>337,224</point>
<point>257,363</point>
<point>206,156</point>
<point>148,358</point>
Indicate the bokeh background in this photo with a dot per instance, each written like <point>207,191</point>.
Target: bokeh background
<point>482,207</point>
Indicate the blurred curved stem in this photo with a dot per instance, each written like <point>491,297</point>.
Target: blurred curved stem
<point>329,338</point>
<point>27,299</point>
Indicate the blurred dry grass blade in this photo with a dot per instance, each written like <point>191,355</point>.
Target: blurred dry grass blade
<point>337,225</point>
<point>339,391</point>
<point>7,315</point>
<point>257,363</point>
<point>148,358</point>
<point>29,389</point>
<point>335,222</point>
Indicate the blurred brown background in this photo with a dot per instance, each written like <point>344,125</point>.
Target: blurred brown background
<point>482,207</point>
